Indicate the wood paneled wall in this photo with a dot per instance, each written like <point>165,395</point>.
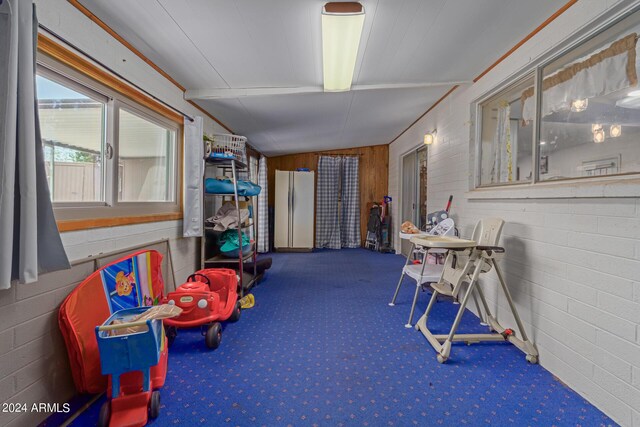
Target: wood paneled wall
<point>373,170</point>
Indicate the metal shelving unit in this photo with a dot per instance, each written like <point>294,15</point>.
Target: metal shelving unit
<point>209,259</point>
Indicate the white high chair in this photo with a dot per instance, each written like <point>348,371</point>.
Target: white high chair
<point>466,260</point>
<point>424,273</point>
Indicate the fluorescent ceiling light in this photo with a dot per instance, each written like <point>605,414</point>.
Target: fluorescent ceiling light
<point>341,30</point>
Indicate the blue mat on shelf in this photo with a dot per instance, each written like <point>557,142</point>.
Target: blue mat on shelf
<point>322,347</point>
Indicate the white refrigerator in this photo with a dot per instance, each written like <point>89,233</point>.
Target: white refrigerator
<point>294,211</point>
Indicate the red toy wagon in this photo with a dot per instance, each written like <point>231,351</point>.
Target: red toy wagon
<point>209,297</point>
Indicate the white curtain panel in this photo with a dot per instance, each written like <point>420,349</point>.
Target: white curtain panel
<point>193,172</point>
<point>29,240</point>
<point>502,167</point>
<point>327,216</point>
<point>350,206</point>
<point>263,208</point>
<point>601,79</point>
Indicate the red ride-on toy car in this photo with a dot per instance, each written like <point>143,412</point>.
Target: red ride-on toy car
<point>209,297</point>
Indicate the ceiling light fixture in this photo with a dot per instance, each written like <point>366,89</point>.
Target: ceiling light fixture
<point>430,137</point>
<point>579,105</point>
<point>598,136</point>
<point>615,131</point>
<point>595,127</point>
<point>341,30</point>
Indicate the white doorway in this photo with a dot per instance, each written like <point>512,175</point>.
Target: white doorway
<point>413,206</point>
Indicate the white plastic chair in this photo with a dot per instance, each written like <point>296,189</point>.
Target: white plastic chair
<point>424,273</point>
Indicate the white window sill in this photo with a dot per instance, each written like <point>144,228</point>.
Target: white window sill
<point>616,186</point>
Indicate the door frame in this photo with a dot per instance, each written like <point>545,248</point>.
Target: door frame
<point>413,150</point>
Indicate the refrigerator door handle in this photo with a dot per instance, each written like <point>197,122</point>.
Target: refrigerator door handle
<point>291,189</point>
<point>293,206</point>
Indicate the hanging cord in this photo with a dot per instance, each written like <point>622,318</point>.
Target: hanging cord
<point>112,71</point>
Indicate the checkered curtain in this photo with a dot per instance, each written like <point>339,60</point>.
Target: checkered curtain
<point>350,209</point>
<point>327,218</point>
<point>263,212</point>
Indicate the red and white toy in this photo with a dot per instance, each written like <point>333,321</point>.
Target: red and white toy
<point>209,297</point>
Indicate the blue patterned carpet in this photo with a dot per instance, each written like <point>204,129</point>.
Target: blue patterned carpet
<point>322,347</point>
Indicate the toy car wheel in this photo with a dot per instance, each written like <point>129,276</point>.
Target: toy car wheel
<point>154,405</point>
<point>237,311</point>
<point>213,336</point>
<point>105,415</point>
<point>172,333</point>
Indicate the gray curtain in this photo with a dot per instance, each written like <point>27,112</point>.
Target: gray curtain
<point>29,238</point>
<point>350,206</point>
<point>263,208</point>
<point>192,203</point>
<point>328,190</point>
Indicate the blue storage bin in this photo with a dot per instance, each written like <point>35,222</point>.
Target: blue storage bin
<point>131,352</point>
<point>225,186</point>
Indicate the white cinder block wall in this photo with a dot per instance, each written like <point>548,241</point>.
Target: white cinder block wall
<point>33,361</point>
<point>573,265</point>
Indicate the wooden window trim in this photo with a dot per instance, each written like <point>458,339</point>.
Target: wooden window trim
<point>71,59</point>
<point>60,53</point>
<point>87,224</point>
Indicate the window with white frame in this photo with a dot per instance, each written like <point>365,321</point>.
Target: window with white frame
<point>102,150</point>
<point>73,128</point>
<point>505,139</point>
<point>587,107</point>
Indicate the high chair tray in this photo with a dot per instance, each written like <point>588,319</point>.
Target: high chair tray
<point>444,242</point>
<point>408,236</point>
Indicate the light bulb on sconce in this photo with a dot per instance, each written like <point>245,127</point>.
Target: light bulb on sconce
<point>598,136</point>
<point>615,131</point>
<point>430,137</point>
<point>579,105</point>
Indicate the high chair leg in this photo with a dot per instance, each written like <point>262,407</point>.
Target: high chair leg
<point>413,306</point>
<point>523,344</point>
<point>480,313</point>
<point>395,295</point>
<point>447,344</point>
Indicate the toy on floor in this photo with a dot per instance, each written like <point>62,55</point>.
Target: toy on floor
<point>134,280</point>
<point>129,347</point>
<point>248,301</point>
<point>209,297</point>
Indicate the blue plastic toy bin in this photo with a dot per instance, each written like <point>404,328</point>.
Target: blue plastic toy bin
<point>137,351</point>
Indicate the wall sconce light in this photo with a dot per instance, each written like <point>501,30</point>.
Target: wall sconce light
<point>579,105</point>
<point>598,136</point>
<point>615,131</point>
<point>430,137</point>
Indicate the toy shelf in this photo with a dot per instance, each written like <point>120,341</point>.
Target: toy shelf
<point>230,168</point>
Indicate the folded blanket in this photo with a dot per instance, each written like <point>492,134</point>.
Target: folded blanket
<point>227,217</point>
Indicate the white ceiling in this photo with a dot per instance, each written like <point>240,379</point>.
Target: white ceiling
<point>208,44</point>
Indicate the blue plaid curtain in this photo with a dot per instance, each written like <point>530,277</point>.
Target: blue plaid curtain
<point>263,213</point>
<point>327,218</point>
<point>350,210</point>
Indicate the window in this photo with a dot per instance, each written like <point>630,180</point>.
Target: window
<point>106,155</point>
<point>588,115</point>
<point>145,152</point>
<point>72,123</point>
<point>506,139</point>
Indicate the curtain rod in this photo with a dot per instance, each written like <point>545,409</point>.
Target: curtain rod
<point>112,71</point>
<point>339,155</point>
